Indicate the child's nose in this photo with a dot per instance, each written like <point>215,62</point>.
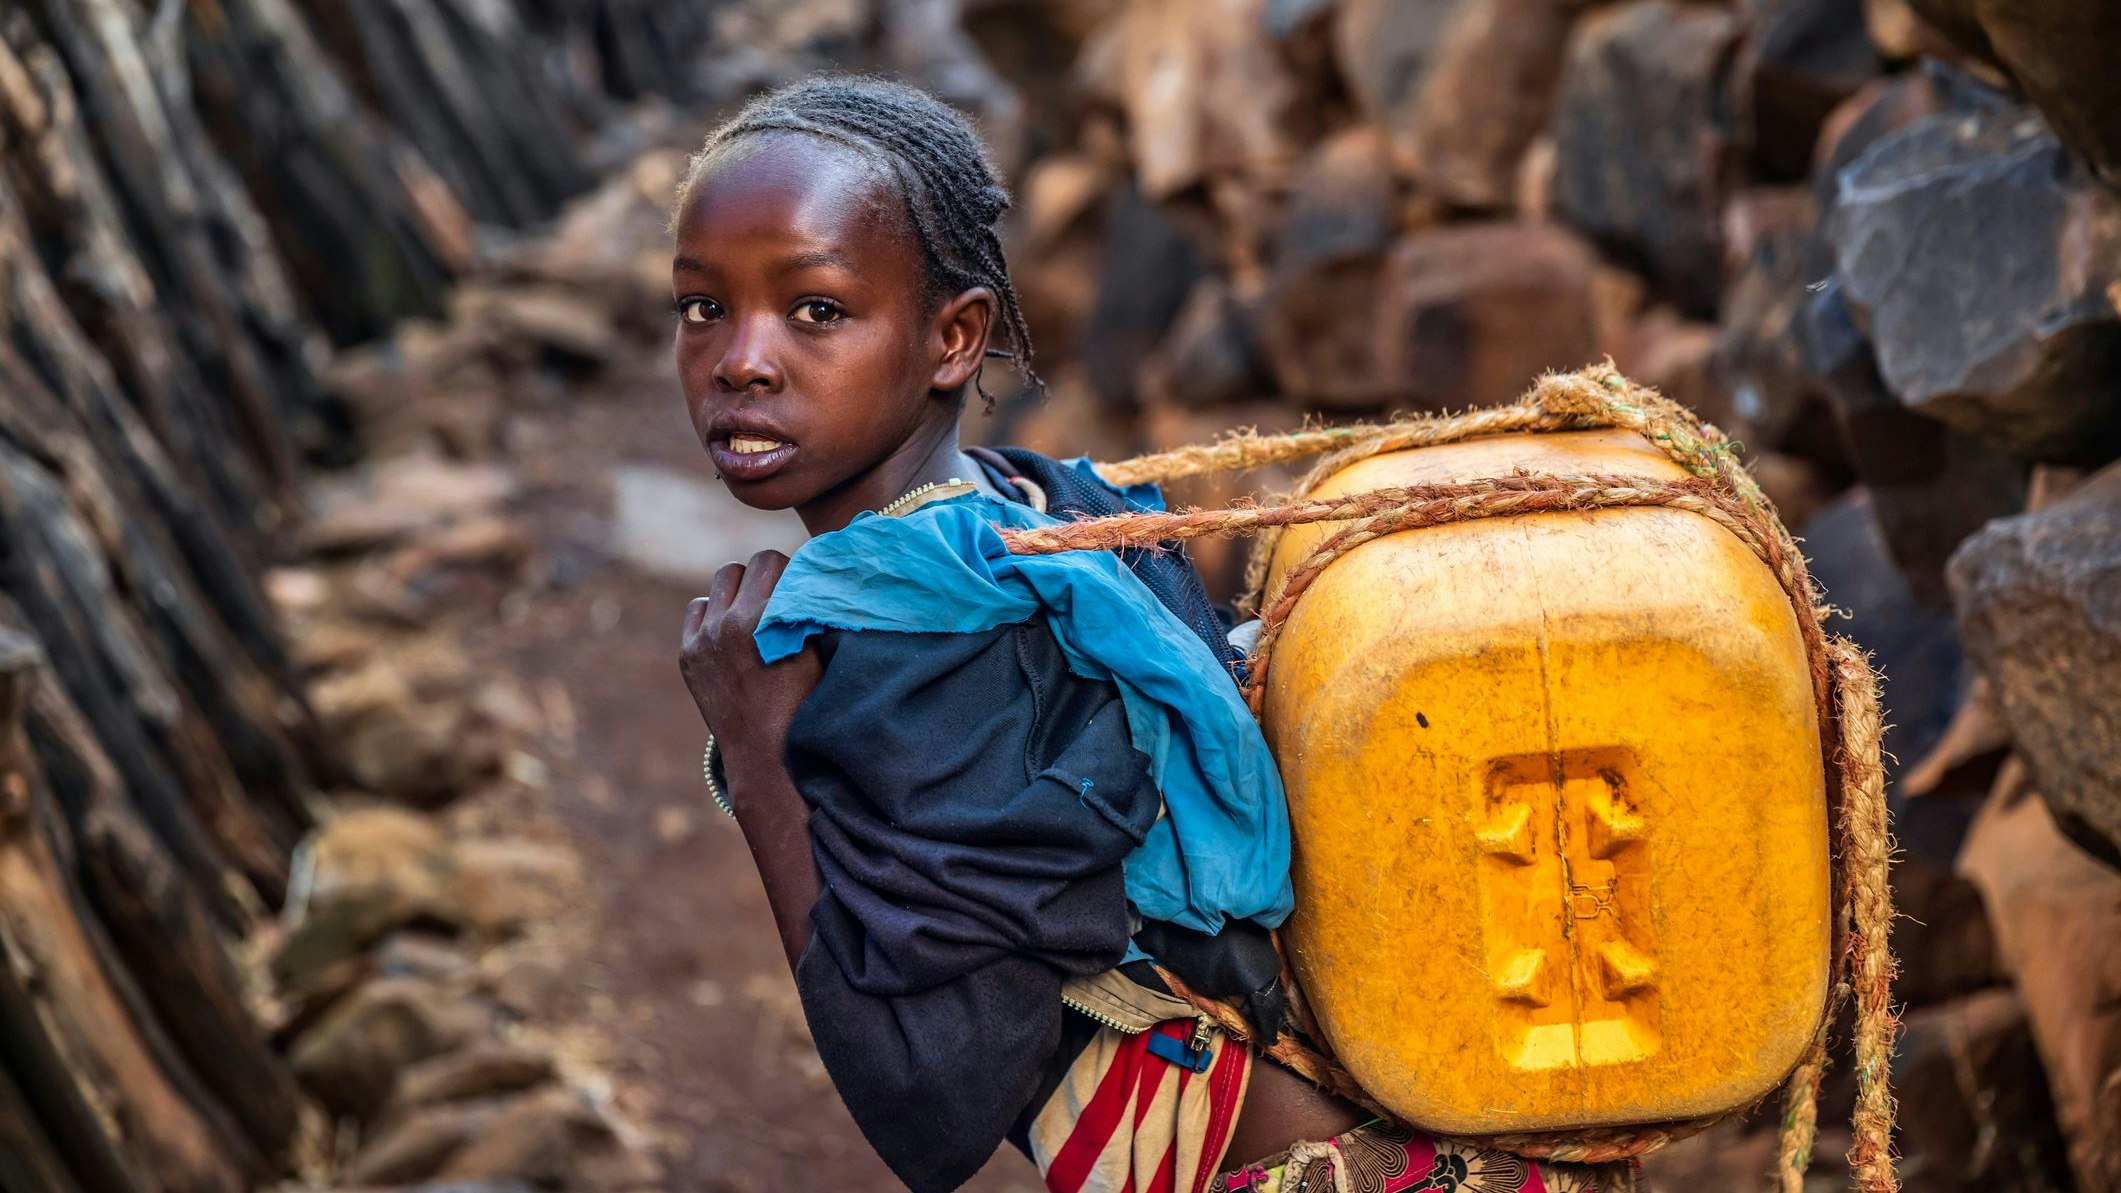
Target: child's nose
<point>747,360</point>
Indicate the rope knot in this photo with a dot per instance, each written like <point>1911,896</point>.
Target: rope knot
<point>1586,394</point>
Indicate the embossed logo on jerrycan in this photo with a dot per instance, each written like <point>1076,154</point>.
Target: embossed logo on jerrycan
<point>1558,804</point>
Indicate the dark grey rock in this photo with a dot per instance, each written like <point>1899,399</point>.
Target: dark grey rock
<point>1916,650</point>
<point>1977,255</point>
<point>1802,58</point>
<point>1384,49</point>
<point>1930,485</point>
<point>1983,1120</point>
<point>2060,53</point>
<point>1641,142</point>
<point>1759,353</point>
<point>1149,267</point>
<point>2039,600</point>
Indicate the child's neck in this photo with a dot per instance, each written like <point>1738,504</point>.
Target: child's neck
<point>923,459</point>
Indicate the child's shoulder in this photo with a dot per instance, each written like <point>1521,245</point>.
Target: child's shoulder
<point>1072,487</point>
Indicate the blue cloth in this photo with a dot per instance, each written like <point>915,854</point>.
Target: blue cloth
<point>1221,850</point>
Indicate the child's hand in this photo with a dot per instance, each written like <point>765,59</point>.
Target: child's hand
<point>747,704</point>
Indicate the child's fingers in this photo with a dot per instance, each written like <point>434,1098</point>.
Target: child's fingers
<point>760,575</point>
<point>696,616</point>
<point>721,594</point>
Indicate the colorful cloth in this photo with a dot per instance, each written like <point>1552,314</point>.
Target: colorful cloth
<point>1221,849</point>
<point>1387,1158</point>
<point>1127,1120</point>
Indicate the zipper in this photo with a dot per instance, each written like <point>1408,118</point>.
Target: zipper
<point>1202,1026</point>
<point>1102,1019</point>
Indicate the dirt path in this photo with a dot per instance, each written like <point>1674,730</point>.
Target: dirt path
<point>684,979</point>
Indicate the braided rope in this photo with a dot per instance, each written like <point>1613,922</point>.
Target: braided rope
<point>1866,860</point>
<point>1719,488</point>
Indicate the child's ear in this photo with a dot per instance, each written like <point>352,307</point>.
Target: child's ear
<point>961,329</point>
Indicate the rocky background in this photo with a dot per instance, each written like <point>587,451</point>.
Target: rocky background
<point>350,829</point>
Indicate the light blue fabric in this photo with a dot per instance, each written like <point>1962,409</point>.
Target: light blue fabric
<point>1221,849</point>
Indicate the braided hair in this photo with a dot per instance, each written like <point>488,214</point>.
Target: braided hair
<point>952,191</point>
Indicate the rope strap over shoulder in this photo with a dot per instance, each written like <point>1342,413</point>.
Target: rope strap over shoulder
<point>1718,488</point>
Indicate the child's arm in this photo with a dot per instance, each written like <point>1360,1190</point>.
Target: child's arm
<point>748,706</point>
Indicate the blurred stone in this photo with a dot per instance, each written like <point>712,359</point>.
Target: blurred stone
<point>1941,938</point>
<point>1975,253</point>
<point>412,954</point>
<point>1471,314</point>
<point>2057,914</point>
<point>488,543</point>
<point>364,848</point>
<point>1758,351</point>
<point>1203,89</point>
<point>1619,303</point>
<point>1054,261</point>
<point>325,646</point>
<point>1486,95</point>
<point>1534,185</point>
<point>371,870</point>
<point>483,1068</point>
<point>423,752</point>
<point>2059,53</point>
<point>415,1146</point>
<point>527,976</point>
<point>1916,650</point>
<point>398,498</point>
<point>1800,59</point>
<point>611,246</point>
<point>1798,488</point>
<point>428,667</point>
<point>1211,355</point>
<point>1976,731</point>
<point>1975,1116</point>
<point>926,44</point>
<point>1385,48</point>
<point>501,885</point>
<point>552,1138</point>
<point>389,389</point>
<point>1149,267</point>
<point>2039,600</point>
<point>1930,485</point>
<point>1640,144</point>
<point>1879,107</point>
<point>1732,1156</point>
<point>1320,336</point>
<point>1341,204</point>
<point>524,324</point>
<point>350,1059</point>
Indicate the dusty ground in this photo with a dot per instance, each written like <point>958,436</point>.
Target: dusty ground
<point>682,977</point>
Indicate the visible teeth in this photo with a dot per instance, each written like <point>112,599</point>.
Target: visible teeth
<point>746,445</point>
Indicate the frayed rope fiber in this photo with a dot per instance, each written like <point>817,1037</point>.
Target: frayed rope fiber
<point>1718,488</point>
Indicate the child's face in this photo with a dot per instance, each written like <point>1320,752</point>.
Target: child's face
<point>806,344</point>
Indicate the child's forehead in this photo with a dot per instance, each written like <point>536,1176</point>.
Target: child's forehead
<point>786,206</point>
<point>780,161</point>
<point>792,179</point>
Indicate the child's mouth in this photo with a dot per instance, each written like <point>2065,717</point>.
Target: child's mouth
<point>748,457</point>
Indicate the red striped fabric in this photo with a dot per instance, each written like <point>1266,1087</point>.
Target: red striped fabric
<point>1127,1121</point>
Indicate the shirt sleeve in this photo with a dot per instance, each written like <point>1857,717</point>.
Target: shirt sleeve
<point>972,800</point>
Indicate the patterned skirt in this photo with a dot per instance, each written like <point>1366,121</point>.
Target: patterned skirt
<point>1383,1157</point>
<point>1125,1119</point>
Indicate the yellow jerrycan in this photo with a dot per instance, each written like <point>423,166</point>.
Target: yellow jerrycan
<point>1558,802</point>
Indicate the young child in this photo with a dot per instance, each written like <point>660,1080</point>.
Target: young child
<point>982,791</point>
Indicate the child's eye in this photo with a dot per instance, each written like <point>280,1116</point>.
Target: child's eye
<point>699,310</point>
<point>819,310</point>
